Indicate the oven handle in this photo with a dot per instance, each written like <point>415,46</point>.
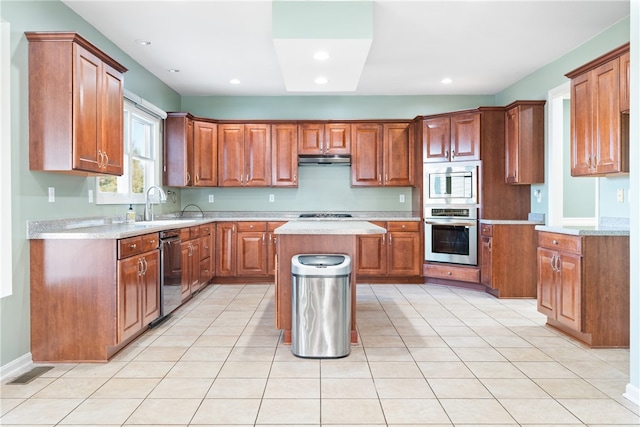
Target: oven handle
<point>452,222</point>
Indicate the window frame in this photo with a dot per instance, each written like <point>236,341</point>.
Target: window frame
<point>132,111</point>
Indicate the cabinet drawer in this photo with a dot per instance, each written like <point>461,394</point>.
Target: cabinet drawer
<point>252,226</point>
<point>189,233</point>
<point>129,247</point>
<point>464,274</point>
<point>560,242</point>
<point>205,247</point>
<point>403,226</point>
<point>486,230</point>
<point>205,229</point>
<point>150,242</point>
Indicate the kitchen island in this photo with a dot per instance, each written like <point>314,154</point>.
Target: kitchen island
<point>314,237</point>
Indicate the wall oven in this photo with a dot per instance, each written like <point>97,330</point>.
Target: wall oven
<point>451,183</point>
<point>451,234</point>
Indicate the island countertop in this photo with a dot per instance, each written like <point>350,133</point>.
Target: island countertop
<point>329,227</point>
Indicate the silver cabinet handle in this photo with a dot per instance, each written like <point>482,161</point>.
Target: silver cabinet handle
<point>140,267</point>
<point>453,153</point>
<point>106,160</point>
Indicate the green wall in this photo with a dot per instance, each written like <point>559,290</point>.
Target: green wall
<point>330,184</point>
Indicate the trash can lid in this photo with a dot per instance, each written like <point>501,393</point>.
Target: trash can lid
<point>321,260</point>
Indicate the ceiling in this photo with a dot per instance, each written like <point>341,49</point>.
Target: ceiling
<point>482,46</point>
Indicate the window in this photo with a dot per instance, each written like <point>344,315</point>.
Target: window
<point>141,159</point>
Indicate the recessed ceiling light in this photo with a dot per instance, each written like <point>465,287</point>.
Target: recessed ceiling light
<point>321,80</point>
<point>446,81</point>
<point>234,81</point>
<point>321,55</point>
<point>173,70</point>
<point>143,42</point>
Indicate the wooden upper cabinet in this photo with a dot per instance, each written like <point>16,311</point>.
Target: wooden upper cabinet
<point>324,138</point>
<point>451,138</point>
<point>244,155</point>
<point>190,151</point>
<point>205,154</point>
<point>625,77</point>
<point>524,142</point>
<point>284,155</point>
<point>75,106</point>
<point>599,133</point>
<point>398,154</point>
<point>178,150</point>
<point>366,154</point>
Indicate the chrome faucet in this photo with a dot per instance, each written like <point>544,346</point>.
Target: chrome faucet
<point>148,212</point>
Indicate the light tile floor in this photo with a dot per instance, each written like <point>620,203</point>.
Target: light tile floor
<point>428,356</point>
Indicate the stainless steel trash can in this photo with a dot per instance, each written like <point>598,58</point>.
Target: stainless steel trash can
<point>321,305</point>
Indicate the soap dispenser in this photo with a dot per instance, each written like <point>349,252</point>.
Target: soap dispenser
<point>131,215</point>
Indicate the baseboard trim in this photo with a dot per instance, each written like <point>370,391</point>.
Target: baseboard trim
<point>633,394</point>
<point>16,367</point>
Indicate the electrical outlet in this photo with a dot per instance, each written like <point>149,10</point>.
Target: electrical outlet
<point>52,194</point>
<point>272,198</point>
<point>402,198</point>
<point>90,196</point>
<point>210,198</point>
<point>620,195</point>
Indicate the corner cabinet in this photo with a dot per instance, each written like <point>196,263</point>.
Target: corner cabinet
<point>244,249</point>
<point>382,154</point>
<point>583,286</point>
<point>75,106</point>
<point>599,129</point>
<point>524,142</point>
<point>190,151</point>
<point>454,137</point>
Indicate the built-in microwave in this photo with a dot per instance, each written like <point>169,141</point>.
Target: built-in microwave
<point>451,183</point>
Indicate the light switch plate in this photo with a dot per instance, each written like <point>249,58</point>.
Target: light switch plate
<point>272,198</point>
<point>52,194</point>
<point>211,198</point>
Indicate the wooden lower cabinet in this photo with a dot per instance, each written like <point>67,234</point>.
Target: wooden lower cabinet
<point>508,259</point>
<point>138,293</point>
<point>245,249</point>
<point>583,286</point>
<point>396,253</point>
<point>110,297</point>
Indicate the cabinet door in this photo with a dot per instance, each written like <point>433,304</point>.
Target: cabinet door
<point>252,253</point>
<point>129,296</point>
<point>568,301</point>
<point>310,138</point>
<point>225,249</point>
<point>581,125</point>
<point>230,155</point>
<point>625,77</point>
<point>465,137</point>
<point>436,139</point>
<point>195,265</point>
<point>284,155</point>
<point>511,144</point>
<point>257,155</point>
<point>150,282</point>
<point>486,261</point>
<point>178,150</point>
<point>372,255</point>
<point>187,270</point>
<point>112,121</point>
<point>87,80</point>
<point>606,117</point>
<point>366,159</point>
<point>205,157</point>
<point>337,138</point>
<point>398,150</point>
<point>546,282</point>
<point>403,250</point>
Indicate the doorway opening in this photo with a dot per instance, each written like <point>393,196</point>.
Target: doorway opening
<point>573,201</point>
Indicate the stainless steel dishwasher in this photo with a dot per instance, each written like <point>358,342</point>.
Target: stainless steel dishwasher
<point>171,274</point>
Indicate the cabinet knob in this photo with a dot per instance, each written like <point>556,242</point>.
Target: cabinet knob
<point>448,273</point>
<point>133,246</point>
<point>555,242</point>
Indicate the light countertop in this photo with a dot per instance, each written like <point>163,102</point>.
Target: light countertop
<point>584,230</point>
<point>329,227</point>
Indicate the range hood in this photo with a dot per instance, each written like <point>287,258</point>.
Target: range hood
<point>324,159</point>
